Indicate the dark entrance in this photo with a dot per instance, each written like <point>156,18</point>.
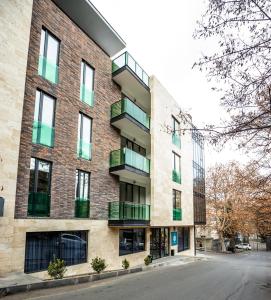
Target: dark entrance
<point>183,238</point>
<point>159,242</point>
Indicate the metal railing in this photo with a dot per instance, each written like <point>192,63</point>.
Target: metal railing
<point>125,59</point>
<point>128,211</point>
<point>127,106</point>
<point>125,156</point>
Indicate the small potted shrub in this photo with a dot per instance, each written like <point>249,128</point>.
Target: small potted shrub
<point>125,264</point>
<point>98,264</point>
<point>57,268</point>
<point>147,260</point>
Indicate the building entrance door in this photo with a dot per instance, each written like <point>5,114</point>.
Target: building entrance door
<point>159,242</point>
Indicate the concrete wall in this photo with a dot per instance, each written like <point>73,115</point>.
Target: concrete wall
<point>163,108</point>
<point>15,19</point>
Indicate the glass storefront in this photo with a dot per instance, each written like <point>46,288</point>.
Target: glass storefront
<point>183,238</point>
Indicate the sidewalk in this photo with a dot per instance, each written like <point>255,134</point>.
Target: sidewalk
<point>20,282</point>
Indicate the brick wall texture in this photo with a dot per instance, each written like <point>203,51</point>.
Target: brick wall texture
<point>75,45</point>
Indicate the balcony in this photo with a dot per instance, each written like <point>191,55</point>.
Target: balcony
<point>87,95</point>
<point>130,118</point>
<point>43,134</point>
<point>38,204</point>
<point>129,164</point>
<point>132,78</point>
<point>81,208</point>
<point>176,140</point>
<point>177,214</point>
<point>128,214</point>
<point>176,176</point>
<point>48,70</point>
<point>84,149</point>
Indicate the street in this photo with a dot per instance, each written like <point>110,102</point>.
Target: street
<point>245,276</point>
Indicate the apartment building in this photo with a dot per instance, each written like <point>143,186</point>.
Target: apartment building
<point>87,167</point>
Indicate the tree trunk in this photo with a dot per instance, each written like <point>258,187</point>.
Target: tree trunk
<point>223,248</point>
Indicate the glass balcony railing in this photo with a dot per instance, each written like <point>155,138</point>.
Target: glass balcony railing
<point>127,106</point>
<point>176,140</point>
<point>43,134</point>
<point>128,211</point>
<point>48,70</point>
<point>38,204</point>
<point>125,59</point>
<point>87,95</point>
<point>177,214</point>
<point>84,149</point>
<point>176,176</point>
<point>81,208</point>
<point>131,158</point>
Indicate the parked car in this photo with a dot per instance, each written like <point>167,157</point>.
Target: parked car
<point>244,246</point>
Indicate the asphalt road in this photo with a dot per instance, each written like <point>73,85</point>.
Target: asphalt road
<point>245,276</point>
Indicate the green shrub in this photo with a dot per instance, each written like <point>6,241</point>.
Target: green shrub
<point>98,264</point>
<point>147,260</point>
<point>57,268</point>
<point>125,264</point>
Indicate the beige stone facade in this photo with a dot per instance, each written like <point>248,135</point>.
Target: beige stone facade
<point>15,19</point>
<point>103,240</point>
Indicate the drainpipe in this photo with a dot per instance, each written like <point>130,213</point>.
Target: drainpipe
<point>195,251</point>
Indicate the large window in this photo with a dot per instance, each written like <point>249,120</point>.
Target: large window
<point>177,211</point>
<point>39,188</point>
<point>131,241</point>
<point>198,178</point>
<point>84,136</point>
<point>44,120</point>
<point>132,193</point>
<point>87,84</point>
<point>176,168</point>
<point>183,238</point>
<point>49,56</point>
<point>43,247</point>
<point>126,143</point>
<point>82,194</point>
<point>176,133</point>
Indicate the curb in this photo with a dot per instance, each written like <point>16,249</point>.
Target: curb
<point>11,290</point>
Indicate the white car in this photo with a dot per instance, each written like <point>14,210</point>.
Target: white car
<point>244,246</point>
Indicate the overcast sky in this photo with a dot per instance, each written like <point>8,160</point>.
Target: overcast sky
<point>158,35</point>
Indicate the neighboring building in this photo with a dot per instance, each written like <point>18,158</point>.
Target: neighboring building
<point>87,168</point>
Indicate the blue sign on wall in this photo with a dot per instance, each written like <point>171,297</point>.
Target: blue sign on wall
<point>174,238</point>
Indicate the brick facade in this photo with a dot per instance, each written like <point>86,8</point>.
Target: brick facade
<point>75,45</point>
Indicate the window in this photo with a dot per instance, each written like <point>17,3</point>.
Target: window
<point>131,241</point>
<point>176,133</point>
<point>39,188</point>
<point>126,143</point>
<point>82,194</point>
<point>84,137</point>
<point>44,120</point>
<point>87,84</point>
<point>132,193</point>
<point>176,168</point>
<point>49,56</point>
<point>177,211</point>
<point>183,238</point>
<point>43,247</point>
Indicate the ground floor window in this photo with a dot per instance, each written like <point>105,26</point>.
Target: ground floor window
<point>131,241</point>
<point>183,238</point>
<point>43,247</point>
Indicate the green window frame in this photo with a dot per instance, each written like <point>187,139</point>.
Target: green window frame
<point>177,200</point>
<point>49,56</point>
<point>87,84</point>
<point>82,191</point>
<point>176,170</point>
<point>44,120</point>
<point>84,137</point>
<point>39,188</point>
